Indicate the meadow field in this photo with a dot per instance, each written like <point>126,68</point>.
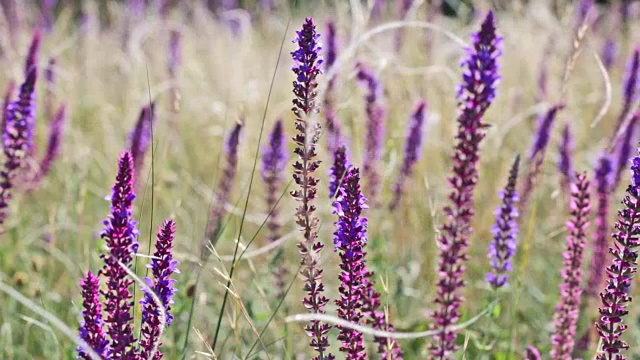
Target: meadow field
<point>527,107</point>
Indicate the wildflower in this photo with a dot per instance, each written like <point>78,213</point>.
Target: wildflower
<point>91,327</point>
<point>140,139</point>
<point>412,149</point>
<point>5,106</point>
<point>567,310</point>
<point>615,298</point>
<point>532,353</point>
<point>623,149</point>
<point>474,97</point>
<point>307,68</point>
<point>331,122</point>
<point>162,266</point>
<point>505,231</point>
<point>338,170</point>
<point>56,129</point>
<point>565,166</point>
<point>120,234</point>
<point>609,53</point>
<point>630,87</point>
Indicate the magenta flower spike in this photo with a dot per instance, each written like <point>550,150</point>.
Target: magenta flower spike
<point>565,162</point>
<point>477,92</point>
<point>274,161</point>
<point>376,115</point>
<point>338,170</point>
<point>597,270</point>
<point>92,326</point>
<point>631,84</point>
<point>620,273</point>
<point>120,234</point>
<point>140,140</point>
<point>568,307</point>
<point>609,53</point>
<point>56,131</point>
<point>8,95</point>
<point>532,353</point>
<point>412,149</point>
<point>31,62</point>
<point>162,266</point>
<point>624,148</point>
<point>16,140</point>
<point>505,232</point>
<point>306,67</point>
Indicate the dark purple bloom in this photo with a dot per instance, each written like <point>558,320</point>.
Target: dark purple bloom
<point>568,307</point>
<point>31,63</point>
<point>338,170</point>
<point>603,180</point>
<point>623,148</point>
<point>350,239</point>
<point>532,353</point>
<point>412,148</point>
<point>120,234</point>
<point>505,232</point>
<point>162,266</point>
<point>376,115</point>
<point>274,160</point>
<point>615,297</point>
<point>332,46</point>
<point>307,68</point>
<point>8,95</point>
<point>225,185</point>
<point>630,86</point>
<point>56,129</point>
<point>609,53</point>
<point>565,149</point>
<point>16,140</point>
<point>140,139</point>
<point>474,97</point>
<point>91,327</point>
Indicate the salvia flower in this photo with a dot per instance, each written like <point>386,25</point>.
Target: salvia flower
<point>31,62</point>
<point>565,150</point>
<point>478,90</point>
<point>306,67</point>
<point>603,180</point>
<point>225,185</point>
<point>16,140</point>
<point>376,115</point>
<point>140,139</point>
<point>332,125</point>
<point>7,101</point>
<point>412,148</point>
<point>505,232</point>
<point>28,104</point>
<point>338,170</point>
<point>56,130</point>
<point>91,328</point>
<point>624,148</point>
<point>609,53</point>
<point>568,307</point>
<point>630,85</point>
<point>350,238</point>
<point>162,266</point>
<point>120,234</point>
<point>274,160</point>
<point>620,273</point>
<point>532,353</point>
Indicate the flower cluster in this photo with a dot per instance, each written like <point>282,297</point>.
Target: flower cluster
<point>505,231</point>
<point>474,97</point>
<point>56,129</point>
<point>568,307</point>
<point>631,84</point>
<point>91,327</point>
<point>624,149</point>
<point>338,170</point>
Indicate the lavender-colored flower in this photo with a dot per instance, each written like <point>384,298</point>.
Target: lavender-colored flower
<point>609,53</point>
<point>350,238</point>
<point>140,140</point>
<point>307,68</point>
<point>532,353</point>
<point>568,307</point>
<point>162,266</point>
<point>376,115</point>
<point>338,170</point>
<point>31,62</point>
<point>332,46</point>
<point>8,95</point>
<point>120,234</point>
<point>630,86</point>
<point>274,160</point>
<point>474,97</point>
<point>603,180</point>
<point>56,129</point>
<point>623,149</point>
<point>91,328</point>
<point>16,140</point>
<point>50,81</point>
<point>505,231</point>
<point>615,298</point>
<point>223,191</point>
<point>565,149</point>
<point>412,148</point>
<point>332,125</point>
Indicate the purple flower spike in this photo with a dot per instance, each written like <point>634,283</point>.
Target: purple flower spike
<point>350,239</point>
<point>624,147</point>
<point>91,327</point>
<point>274,160</point>
<point>162,266</point>
<point>16,140</point>
<point>565,166</point>
<point>31,62</point>
<point>568,307</point>
<point>338,171</point>
<point>603,179</point>
<point>631,84</point>
<point>8,95</point>
<point>474,97</point>
<point>223,191</point>
<point>615,298</point>
<point>332,46</point>
<point>412,148</point>
<point>120,234</point>
<point>331,122</point>
<point>140,140</point>
<point>376,115</point>
<point>307,68</point>
<point>609,53</point>
<point>532,353</point>
<point>56,129</point>
<point>505,232</point>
